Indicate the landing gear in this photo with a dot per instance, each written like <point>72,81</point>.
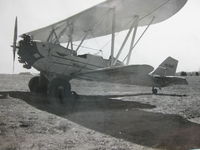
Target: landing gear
<point>59,88</point>
<point>74,94</point>
<point>38,84</point>
<point>154,90</point>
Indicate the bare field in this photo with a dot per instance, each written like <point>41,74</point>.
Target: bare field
<point>114,117</point>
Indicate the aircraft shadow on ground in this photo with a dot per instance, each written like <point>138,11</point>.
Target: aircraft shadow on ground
<point>122,119</point>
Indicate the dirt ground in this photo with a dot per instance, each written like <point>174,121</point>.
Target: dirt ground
<point>105,116</point>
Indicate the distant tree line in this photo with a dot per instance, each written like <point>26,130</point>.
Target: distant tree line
<point>183,73</point>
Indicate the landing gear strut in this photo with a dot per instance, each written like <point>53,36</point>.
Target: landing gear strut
<point>154,90</point>
<point>59,88</point>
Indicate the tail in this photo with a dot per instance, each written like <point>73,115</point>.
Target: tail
<point>167,67</point>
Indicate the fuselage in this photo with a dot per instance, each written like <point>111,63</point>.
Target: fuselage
<point>54,60</point>
<point>50,58</point>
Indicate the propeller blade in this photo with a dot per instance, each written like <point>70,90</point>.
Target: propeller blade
<point>14,42</point>
<point>15,39</point>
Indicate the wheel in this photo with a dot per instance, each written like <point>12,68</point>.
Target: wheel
<point>38,84</point>
<point>59,88</point>
<point>155,91</point>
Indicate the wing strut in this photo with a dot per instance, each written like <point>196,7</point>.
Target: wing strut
<point>70,35</point>
<point>71,43</point>
<point>113,37</point>
<point>133,39</point>
<point>141,36</point>
<point>51,35</point>
<point>56,37</point>
<point>63,31</point>
<point>125,40</point>
<point>86,34</point>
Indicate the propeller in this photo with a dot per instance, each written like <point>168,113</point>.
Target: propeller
<point>14,42</point>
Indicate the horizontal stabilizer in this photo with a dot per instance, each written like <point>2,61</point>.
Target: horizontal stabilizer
<point>163,81</point>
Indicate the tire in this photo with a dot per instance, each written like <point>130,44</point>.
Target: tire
<point>38,85</point>
<point>59,88</point>
<point>155,91</point>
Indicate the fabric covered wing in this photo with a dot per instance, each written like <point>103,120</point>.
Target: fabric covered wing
<point>132,74</point>
<point>97,21</point>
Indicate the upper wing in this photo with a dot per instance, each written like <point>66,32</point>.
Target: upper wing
<point>97,21</point>
<point>132,74</point>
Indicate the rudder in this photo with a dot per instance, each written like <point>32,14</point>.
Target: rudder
<point>167,67</point>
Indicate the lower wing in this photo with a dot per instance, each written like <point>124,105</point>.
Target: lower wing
<point>132,74</point>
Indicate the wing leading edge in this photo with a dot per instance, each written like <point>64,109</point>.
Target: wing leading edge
<point>97,21</point>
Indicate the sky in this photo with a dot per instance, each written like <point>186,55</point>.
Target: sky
<point>178,37</point>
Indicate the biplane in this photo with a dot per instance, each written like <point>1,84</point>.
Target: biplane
<point>58,64</point>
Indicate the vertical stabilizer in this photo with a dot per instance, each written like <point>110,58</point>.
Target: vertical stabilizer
<point>167,67</point>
